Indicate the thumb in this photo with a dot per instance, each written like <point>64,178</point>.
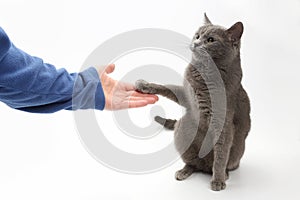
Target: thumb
<point>110,68</point>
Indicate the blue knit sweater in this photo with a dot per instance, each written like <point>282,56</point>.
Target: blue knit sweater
<point>29,84</point>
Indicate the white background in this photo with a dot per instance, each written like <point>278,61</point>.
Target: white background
<point>41,156</point>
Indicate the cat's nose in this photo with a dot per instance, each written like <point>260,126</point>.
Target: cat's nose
<point>192,47</point>
<point>196,43</point>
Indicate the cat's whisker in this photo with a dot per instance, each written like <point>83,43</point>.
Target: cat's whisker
<point>183,45</point>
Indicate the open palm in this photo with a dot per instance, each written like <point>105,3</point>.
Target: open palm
<point>120,95</point>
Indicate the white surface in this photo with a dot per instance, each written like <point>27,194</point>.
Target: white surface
<point>41,156</point>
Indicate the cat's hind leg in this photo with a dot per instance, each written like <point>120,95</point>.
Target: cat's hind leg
<point>184,173</point>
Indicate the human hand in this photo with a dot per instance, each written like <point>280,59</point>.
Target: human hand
<point>120,95</point>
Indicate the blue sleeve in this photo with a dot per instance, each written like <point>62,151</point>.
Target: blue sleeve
<point>29,84</point>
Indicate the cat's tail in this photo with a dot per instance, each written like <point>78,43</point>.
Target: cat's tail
<point>167,123</point>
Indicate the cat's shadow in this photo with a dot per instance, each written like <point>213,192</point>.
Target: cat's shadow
<point>196,181</point>
<point>246,176</point>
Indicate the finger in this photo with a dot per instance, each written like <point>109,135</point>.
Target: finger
<point>148,99</point>
<point>137,104</point>
<point>131,104</point>
<point>110,68</point>
<point>134,104</point>
<point>138,94</point>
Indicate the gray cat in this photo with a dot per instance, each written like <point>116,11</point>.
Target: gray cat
<point>223,47</point>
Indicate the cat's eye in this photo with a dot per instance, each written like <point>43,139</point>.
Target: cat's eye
<point>197,36</point>
<point>210,39</point>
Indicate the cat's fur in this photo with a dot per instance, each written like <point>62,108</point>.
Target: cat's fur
<point>225,156</point>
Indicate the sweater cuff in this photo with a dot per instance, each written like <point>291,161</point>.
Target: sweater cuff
<point>99,95</point>
<point>88,92</point>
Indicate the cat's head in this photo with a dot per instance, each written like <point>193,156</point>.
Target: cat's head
<point>220,43</point>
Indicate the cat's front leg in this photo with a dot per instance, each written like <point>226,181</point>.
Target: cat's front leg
<point>184,173</point>
<point>148,88</point>
<point>173,92</point>
<point>221,156</point>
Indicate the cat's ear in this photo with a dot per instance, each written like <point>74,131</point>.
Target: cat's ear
<point>235,32</point>
<point>206,20</point>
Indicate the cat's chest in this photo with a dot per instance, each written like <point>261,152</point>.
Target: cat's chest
<point>198,95</point>
<point>201,100</point>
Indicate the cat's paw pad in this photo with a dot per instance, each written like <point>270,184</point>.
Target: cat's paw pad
<point>217,185</point>
<point>142,86</point>
<point>182,174</point>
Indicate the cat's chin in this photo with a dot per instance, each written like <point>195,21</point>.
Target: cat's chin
<point>196,59</point>
<point>192,48</point>
<point>197,49</point>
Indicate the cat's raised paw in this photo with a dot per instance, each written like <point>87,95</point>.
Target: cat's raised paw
<point>217,185</point>
<point>143,86</point>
